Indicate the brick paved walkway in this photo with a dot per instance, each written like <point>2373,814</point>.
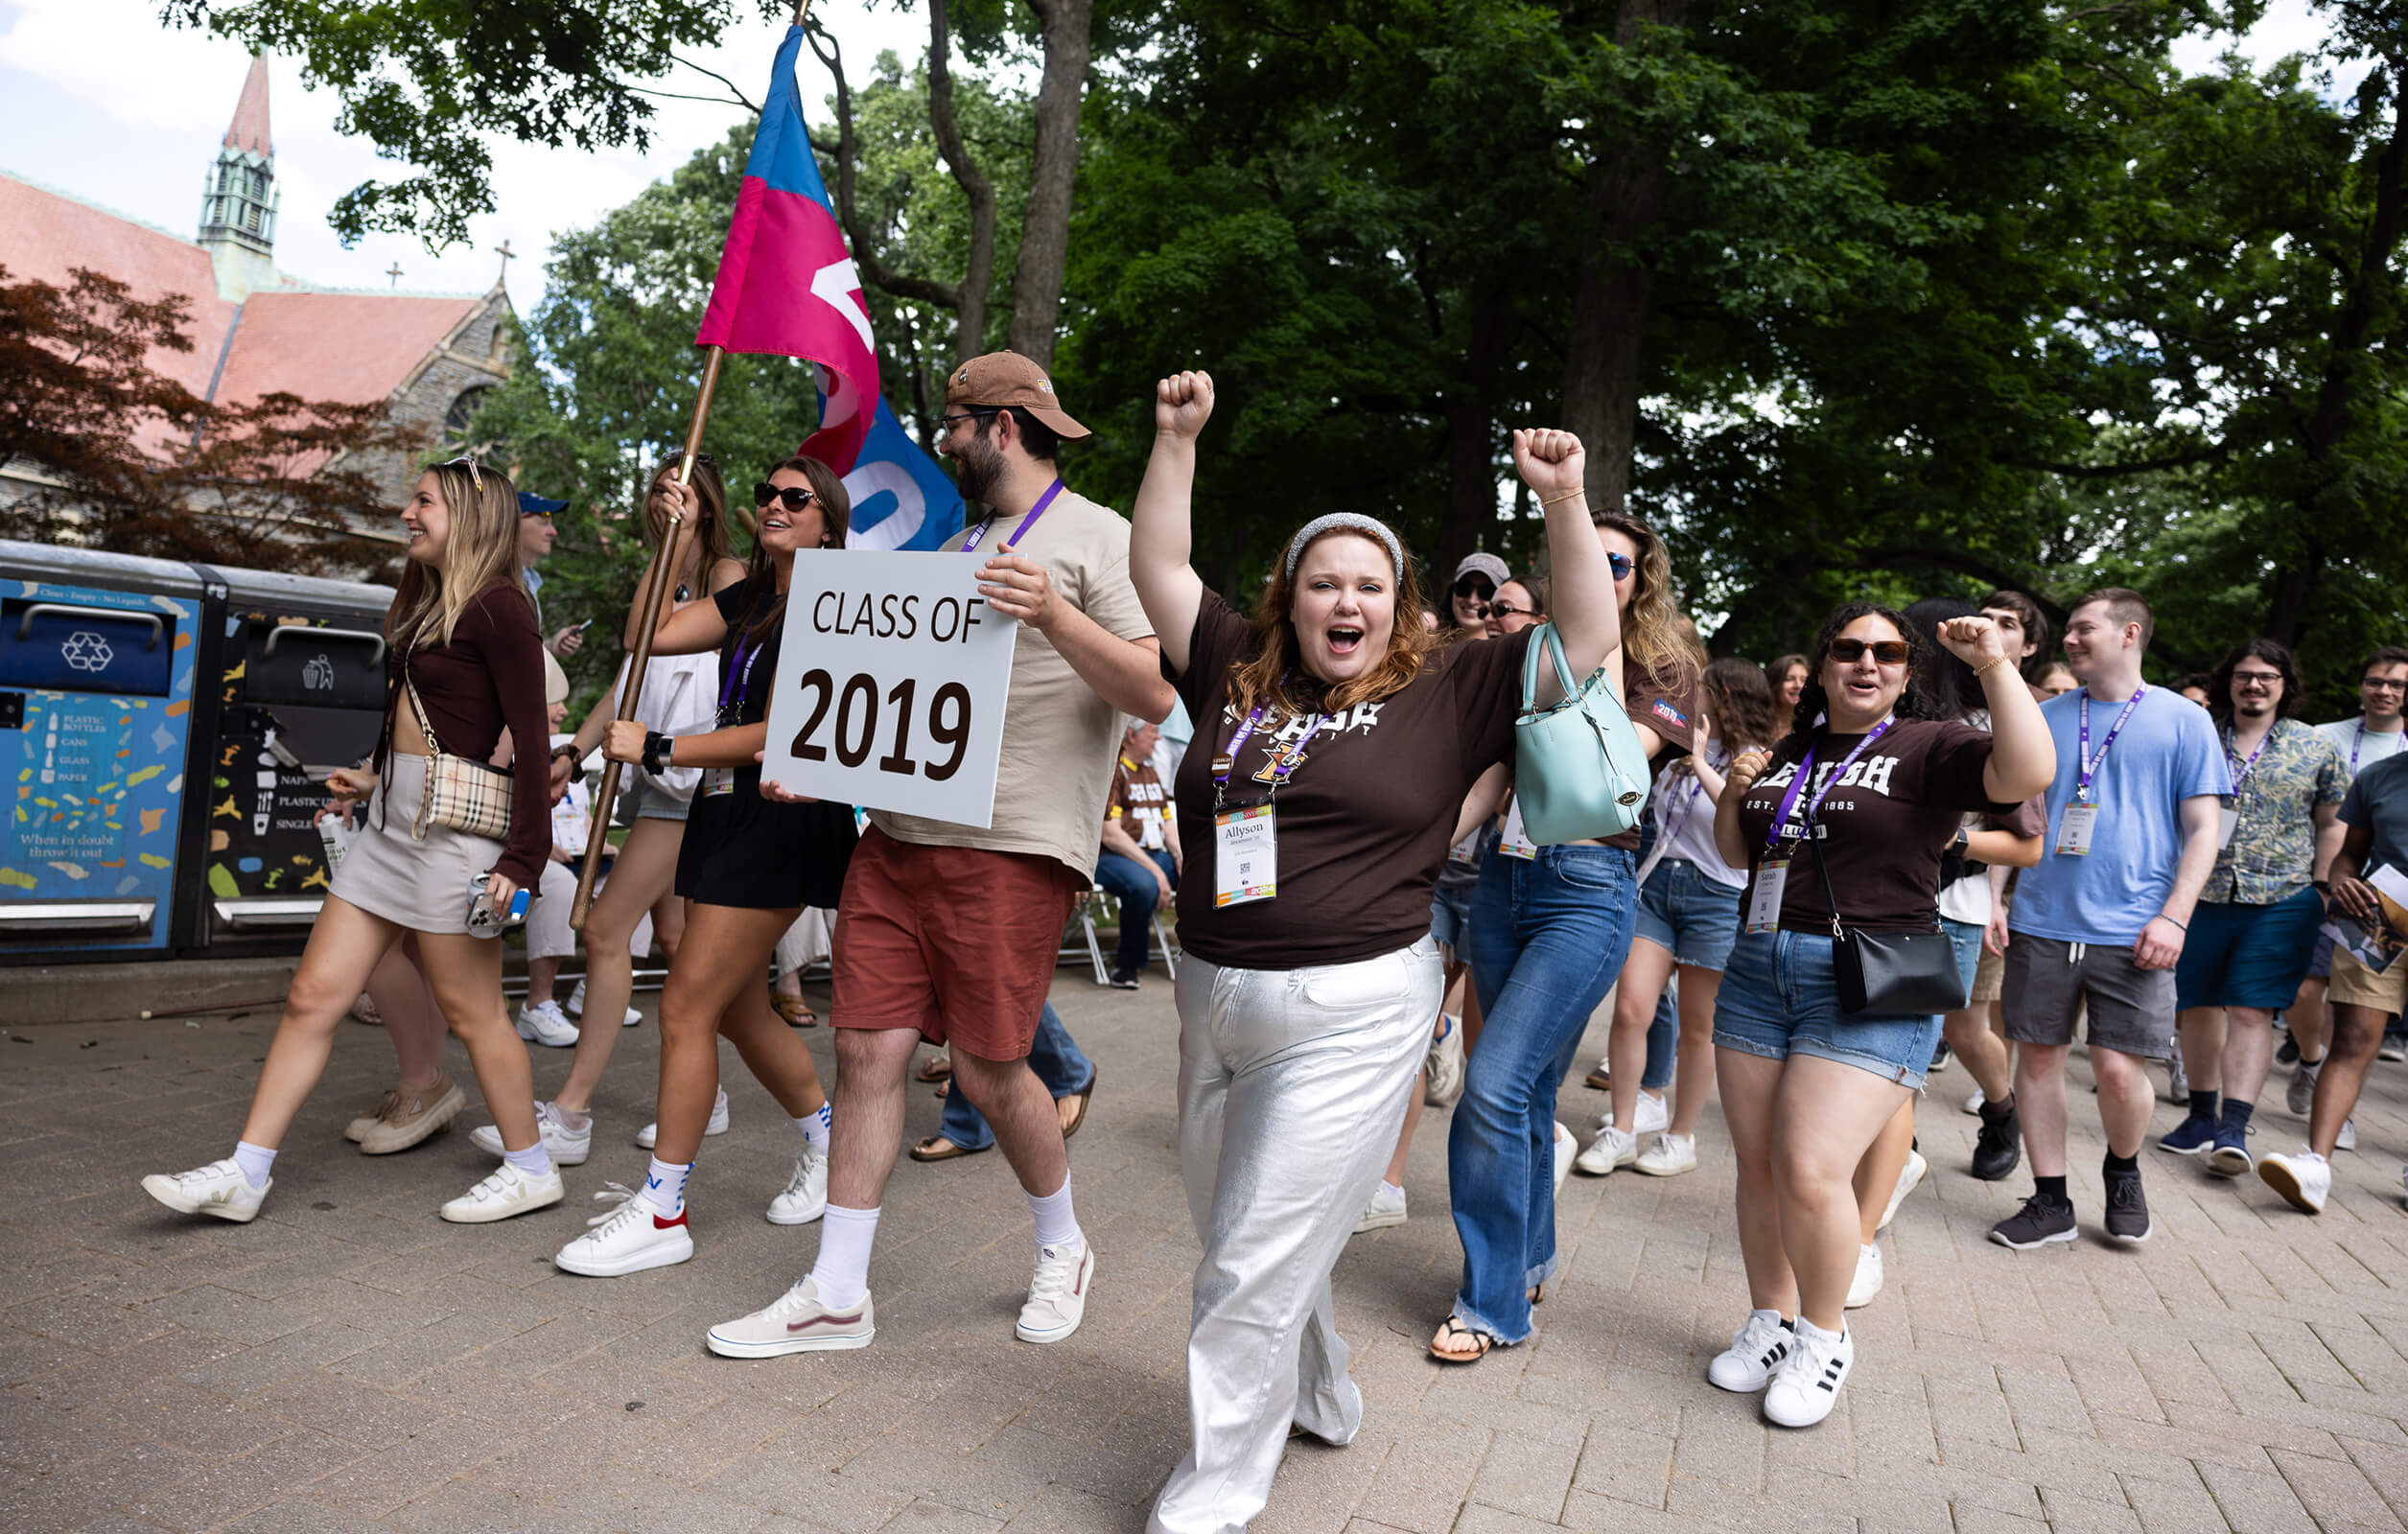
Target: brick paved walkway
<point>349,1362</point>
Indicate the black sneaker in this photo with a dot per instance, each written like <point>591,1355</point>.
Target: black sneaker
<point>1999,1149</point>
<point>2289,1053</point>
<point>2036,1225</point>
<point>1941,1056</point>
<point>1124,980</point>
<point>2127,1208</point>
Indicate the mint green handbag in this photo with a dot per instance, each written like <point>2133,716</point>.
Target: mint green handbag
<point>1578,769</point>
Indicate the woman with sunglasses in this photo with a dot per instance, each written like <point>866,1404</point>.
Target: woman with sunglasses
<point>1477,578</point>
<point>747,868</point>
<point>1864,796</point>
<point>1551,926</point>
<point>463,663</point>
<point>678,690</point>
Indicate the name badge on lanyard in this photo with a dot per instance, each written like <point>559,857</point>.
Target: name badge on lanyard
<point>718,781</point>
<point>1763,907</point>
<point>1246,840</point>
<point>2074,832</point>
<point>1516,841</point>
<point>2227,815</point>
<point>1772,872</point>
<point>2081,817</point>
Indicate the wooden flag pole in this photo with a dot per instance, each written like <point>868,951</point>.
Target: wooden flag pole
<point>655,593</point>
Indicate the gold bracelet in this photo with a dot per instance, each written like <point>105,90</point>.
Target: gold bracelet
<point>1984,671</point>
<point>1569,495</point>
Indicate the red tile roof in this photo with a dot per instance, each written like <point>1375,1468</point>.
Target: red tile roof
<point>353,347</point>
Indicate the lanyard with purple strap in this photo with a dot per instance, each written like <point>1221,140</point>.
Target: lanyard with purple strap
<point>979,534</point>
<point>1772,871</point>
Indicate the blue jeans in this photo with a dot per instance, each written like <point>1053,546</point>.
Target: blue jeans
<point>1133,885</point>
<point>1053,1054</point>
<point>1662,1034</point>
<point>1549,935</point>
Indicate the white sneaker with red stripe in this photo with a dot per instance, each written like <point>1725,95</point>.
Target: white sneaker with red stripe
<point>628,1240</point>
<point>1057,1293</point>
<point>797,1323</point>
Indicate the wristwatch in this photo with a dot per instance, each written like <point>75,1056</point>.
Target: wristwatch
<point>1962,844</point>
<point>656,748</point>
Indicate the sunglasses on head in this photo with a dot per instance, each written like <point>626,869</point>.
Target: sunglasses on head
<point>1475,585</point>
<point>475,475</point>
<point>794,498</point>
<point>1888,652</point>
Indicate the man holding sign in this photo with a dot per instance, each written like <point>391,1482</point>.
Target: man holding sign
<point>948,931</point>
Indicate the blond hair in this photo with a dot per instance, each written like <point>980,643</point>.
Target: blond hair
<point>480,548</point>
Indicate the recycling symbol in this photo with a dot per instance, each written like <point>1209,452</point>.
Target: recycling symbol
<point>86,651</point>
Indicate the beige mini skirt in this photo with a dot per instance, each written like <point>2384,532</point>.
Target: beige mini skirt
<point>422,884</point>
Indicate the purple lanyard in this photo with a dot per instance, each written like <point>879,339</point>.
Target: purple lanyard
<point>1806,771</point>
<point>2090,763</point>
<point>738,686</point>
<point>2231,756</point>
<point>1281,764</point>
<point>1688,800</point>
<point>979,534</point>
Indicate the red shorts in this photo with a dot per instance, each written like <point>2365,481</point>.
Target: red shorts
<point>958,943</point>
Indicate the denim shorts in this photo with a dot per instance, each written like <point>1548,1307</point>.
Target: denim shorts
<point>1450,916</point>
<point>2247,955</point>
<point>1965,937</point>
<point>1688,915</point>
<point>1779,999</point>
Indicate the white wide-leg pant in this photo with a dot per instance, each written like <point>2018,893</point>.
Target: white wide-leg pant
<point>1292,1084</point>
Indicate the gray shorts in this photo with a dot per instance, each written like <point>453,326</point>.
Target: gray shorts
<point>2047,982</point>
<point>642,798</point>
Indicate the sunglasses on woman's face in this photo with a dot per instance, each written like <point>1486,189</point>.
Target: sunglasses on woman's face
<point>1475,585</point>
<point>793,497</point>
<point>1507,610</point>
<point>1621,565</point>
<point>1888,652</point>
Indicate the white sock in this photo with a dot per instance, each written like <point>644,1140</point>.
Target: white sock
<point>1388,1187</point>
<point>1057,1224</point>
<point>663,1189</point>
<point>814,1127</point>
<point>1806,1328</point>
<point>571,1121</point>
<point>842,1272</point>
<point>254,1161</point>
<point>534,1161</point>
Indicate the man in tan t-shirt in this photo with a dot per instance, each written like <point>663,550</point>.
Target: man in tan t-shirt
<point>949,933</point>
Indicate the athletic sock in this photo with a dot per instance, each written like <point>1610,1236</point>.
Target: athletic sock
<point>2203,1104</point>
<point>1396,1187</point>
<point>2236,1114</point>
<point>534,1161</point>
<point>2309,1065</point>
<point>254,1161</point>
<point>1807,1329</point>
<point>578,1122</point>
<point>2052,1192</point>
<point>842,1272</point>
<point>1057,1224</point>
<point>2115,1163</point>
<point>1996,1112</point>
<point>663,1189</point>
<point>814,1127</point>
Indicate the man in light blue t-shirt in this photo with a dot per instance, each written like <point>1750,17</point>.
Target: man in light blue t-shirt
<point>2133,825</point>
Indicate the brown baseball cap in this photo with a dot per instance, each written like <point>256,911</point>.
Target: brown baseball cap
<point>1001,379</point>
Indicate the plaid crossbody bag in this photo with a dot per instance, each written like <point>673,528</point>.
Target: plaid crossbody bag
<point>470,796</point>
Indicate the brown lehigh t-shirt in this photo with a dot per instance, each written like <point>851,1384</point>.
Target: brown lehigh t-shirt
<point>1886,822</point>
<point>1363,823</point>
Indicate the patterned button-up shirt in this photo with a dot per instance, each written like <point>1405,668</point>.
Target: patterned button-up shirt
<point>2273,852</point>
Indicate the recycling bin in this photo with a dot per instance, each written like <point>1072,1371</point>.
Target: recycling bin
<point>98,655</point>
<point>295,688</point>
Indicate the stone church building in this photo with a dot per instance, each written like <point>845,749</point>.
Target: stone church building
<point>257,329</point>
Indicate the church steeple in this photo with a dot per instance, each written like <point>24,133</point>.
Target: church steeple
<point>238,204</point>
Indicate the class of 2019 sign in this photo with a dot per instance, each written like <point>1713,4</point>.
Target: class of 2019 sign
<point>892,677</point>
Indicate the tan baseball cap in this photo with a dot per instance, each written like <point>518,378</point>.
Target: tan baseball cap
<point>1001,379</point>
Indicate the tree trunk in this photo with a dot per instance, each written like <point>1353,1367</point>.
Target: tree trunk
<point>1066,26</point>
<point>1470,416</point>
<point>1609,300</point>
<point>971,338</point>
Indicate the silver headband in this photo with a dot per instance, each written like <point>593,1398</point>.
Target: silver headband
<point>1353,521</point>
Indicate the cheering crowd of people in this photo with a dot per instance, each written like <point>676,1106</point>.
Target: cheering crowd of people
<point>1806,886</point>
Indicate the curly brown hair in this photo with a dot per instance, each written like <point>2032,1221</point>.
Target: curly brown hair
<point>1270,678</point>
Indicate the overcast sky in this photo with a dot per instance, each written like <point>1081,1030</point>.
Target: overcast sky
<point>104,103</point>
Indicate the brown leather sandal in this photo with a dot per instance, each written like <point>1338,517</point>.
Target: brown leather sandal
<point>795,1010</point>
<point>937,1148</point>
<point>1078,1115</point>
<point>936,1068</point>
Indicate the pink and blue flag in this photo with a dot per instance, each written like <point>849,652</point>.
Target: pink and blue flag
<point>787,287</point>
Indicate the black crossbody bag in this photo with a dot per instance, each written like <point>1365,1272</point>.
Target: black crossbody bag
<point>1908,973</point>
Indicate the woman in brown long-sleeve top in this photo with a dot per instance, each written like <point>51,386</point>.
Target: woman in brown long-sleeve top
<point>463,663</point>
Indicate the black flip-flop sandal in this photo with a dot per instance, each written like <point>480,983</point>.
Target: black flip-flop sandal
<point>1449,1332</point>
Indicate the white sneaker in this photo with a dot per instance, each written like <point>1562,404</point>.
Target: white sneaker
<point>1653,1115</point>
<point>804,1198</point>
<point>1057,1294</point>
<point>1566,1148</point>
<point>508,1191</point>
<point>796,1323</point>
<point>1757,1348</point>
<point>2303,1178</point>
<point>1909,1176</point>
<point>567,1147</point>
<point>1868,1280</point>
<point>1611,1148</point>
<point>1670,1155</point>
<point>2348,1138</point>
<point>576,1008</point>
<point>1808,1386</point>
<point>1972,1104</point>
<point>547,1024</point>
<point>627,1239</point>
<point>650,1134</point>
<point>1385,1209</point>
<point>218,1189</point>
